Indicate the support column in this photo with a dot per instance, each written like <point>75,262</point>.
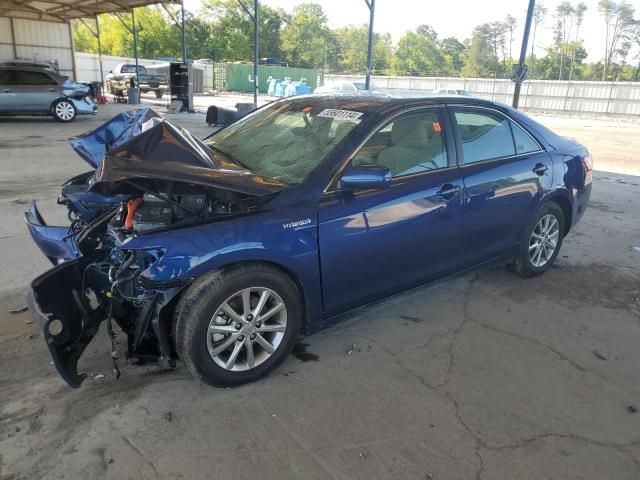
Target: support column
<point>135,44</point>
<point>372,8</point>
<point>99,51</point>
<point>73,53</point>
<point>184,43</point>
<point>255,53</point>
<point>13,39</point>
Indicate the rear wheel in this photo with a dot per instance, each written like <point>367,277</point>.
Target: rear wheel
<point>63,111</point>
<point>236,325</point>
<point>541,242</point>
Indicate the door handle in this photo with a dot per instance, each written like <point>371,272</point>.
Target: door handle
<point>540,168</point>
<point>447,191</point>
<point>52,89</point>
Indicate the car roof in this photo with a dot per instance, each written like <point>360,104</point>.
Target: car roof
<point>377,101</point>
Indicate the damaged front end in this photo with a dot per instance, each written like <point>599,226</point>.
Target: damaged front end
<point>105,283</point>
<point>159,180</point>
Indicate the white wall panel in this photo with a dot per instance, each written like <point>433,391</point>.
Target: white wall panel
<point>5,30</point>
<point>616,98</point>
<point>45,34</point>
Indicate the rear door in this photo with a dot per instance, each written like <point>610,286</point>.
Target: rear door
<point>7,94</point>
<point>505,173</point>
<point>35,91</point>
<point>377,242</point>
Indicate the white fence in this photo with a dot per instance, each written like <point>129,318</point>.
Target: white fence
<point>612,98</point>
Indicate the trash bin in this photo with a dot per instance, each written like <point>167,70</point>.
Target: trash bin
<point>133,95</point>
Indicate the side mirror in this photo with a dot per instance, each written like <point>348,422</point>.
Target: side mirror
<point>110,71</point>
<point>363,177</point>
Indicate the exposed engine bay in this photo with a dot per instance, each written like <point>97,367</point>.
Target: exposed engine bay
<point>107,281</point>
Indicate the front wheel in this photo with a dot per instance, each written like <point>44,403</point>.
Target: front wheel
<point>541,242</point>
<point>236,325</point>
<point>63,111</point>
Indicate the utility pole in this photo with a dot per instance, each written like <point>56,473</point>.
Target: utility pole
<point>520,73</point>
<point>255,53</point>
<point>184,42</point>
<point>372,8</point>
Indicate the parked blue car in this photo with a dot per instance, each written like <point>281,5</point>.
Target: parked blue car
<point>221,252</point>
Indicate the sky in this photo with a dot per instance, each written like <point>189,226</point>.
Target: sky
<point>452,18</point>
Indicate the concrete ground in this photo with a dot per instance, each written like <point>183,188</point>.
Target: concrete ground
<point>489,376</point>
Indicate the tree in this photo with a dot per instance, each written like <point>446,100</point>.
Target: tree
<point>307,41</point>
<point>352,45</point>
<point>539,12</point>
<point>619,26</point>
<point>231,30</point>
<point>453,51</point>
<point>482,55</point>
<point>418,54</point>
<point>579,12</point>
<point>510,24</point>
<point>564,19</point>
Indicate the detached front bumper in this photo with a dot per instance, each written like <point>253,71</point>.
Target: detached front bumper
<point>67,320</point>
<point>57,243</point>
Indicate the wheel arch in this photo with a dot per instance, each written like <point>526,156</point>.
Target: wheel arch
<point>283,269</point>
<point>56,100</point>
<point>565,205</point>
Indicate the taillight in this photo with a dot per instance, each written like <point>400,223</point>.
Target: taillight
<point>587,161</point>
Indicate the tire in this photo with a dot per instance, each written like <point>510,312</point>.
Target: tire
<point>534,254</point>
<point>200,312</point>
<point>63,111</point>
<point>159,93</point>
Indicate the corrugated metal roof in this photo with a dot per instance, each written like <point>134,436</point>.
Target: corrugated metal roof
<point>65,10</point>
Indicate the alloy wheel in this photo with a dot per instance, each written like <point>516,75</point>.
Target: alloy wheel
<point>544,240</point>
<point>64,111</point>
<point>246,329</point>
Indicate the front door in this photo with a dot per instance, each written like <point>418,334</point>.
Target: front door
<point>377,242</point>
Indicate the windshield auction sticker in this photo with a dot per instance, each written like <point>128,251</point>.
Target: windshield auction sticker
<point>333,113</point>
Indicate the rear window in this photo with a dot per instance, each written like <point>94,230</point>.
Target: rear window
<point>132,69</point>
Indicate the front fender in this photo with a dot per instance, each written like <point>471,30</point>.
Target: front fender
<point>57,244</point>
<point>287,238</point>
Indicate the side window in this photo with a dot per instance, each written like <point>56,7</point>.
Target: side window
<point>410,143</point>
<point>484,135</point>
<point>33,78</point>
<point>523,141</point>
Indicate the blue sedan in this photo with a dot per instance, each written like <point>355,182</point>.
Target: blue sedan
<point>222,252</point>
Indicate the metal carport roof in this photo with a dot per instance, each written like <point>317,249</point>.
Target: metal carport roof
<point>64,10</point>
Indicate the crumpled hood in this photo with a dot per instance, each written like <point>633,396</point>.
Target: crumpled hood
<point>166,152</point>
<point>93,145</point>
